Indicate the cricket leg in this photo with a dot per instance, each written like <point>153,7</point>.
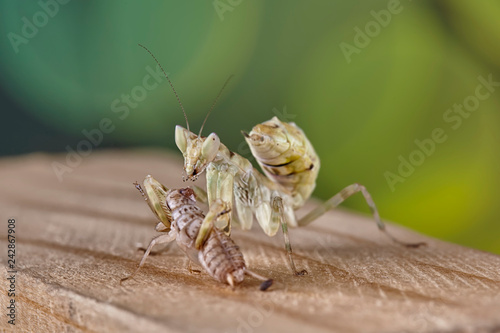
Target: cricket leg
<point>266,282</point>
<point>338,198</point>
<point>278,216</point>
<point>157,252</point>
<point>160,227</point>
<point>166,238</point>
<point>191,269</point>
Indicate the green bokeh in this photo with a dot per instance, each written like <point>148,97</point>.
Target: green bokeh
<point>286,55</point>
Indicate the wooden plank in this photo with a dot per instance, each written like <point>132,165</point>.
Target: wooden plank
<point>77,238</point>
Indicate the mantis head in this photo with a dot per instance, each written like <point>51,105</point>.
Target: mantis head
<point>198,151</point>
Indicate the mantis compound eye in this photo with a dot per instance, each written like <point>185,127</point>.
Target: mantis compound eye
<point>181,138</point>
<point>210,148</point>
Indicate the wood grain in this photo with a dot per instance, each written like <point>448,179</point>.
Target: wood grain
<point>77,238</point>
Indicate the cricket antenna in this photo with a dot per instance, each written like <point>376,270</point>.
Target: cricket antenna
<point>215,102</point>
<point>175,92</point>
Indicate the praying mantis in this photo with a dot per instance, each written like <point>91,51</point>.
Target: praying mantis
<point>290,167</point>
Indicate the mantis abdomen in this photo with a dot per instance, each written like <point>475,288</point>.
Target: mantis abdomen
<point>286,156</point>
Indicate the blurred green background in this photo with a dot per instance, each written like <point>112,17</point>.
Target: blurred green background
<point>362,98</point>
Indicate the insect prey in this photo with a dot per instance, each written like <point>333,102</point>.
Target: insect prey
<point>290,167</point>
<point>181,220</point>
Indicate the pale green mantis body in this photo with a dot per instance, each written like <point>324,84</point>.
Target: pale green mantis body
<point>291,168</point>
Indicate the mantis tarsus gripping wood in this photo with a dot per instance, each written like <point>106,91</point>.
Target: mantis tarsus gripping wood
<point>290,165</point>
<point>181,219</point>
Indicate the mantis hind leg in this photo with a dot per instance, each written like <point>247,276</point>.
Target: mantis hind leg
<point>278,216</point>
<point>338,198</point>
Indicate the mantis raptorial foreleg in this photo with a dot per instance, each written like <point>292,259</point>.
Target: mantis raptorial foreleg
<point>166,238</point>
<point>278,217</point>
<point>220,182</point>
<point>201,194</point>
<point>217,210</point>
<point>338,198</point>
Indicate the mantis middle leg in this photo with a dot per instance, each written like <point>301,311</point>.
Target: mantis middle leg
<point>278,216</point>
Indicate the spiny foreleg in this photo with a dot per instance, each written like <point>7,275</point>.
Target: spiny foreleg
<point>217,210</point>
<point>220,182</point>
<point>201,194</point>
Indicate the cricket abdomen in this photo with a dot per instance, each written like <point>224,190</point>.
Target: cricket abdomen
<point>219,255</point>
<point>222,258</point>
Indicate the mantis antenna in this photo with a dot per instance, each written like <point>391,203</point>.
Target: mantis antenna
<point>175,92</point>
<point>215,102</point>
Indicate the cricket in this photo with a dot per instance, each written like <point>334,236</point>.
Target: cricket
<point>180,219</point>
<point>290,167</point>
